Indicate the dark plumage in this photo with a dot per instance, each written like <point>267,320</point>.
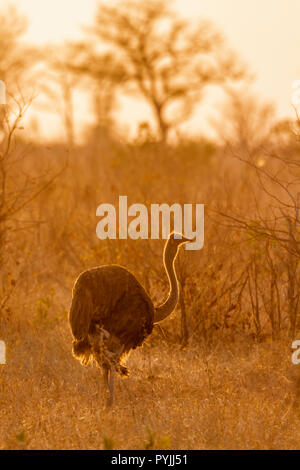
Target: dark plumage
<point>101,297</point>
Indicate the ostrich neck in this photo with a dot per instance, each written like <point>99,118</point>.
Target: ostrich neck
<point>169,305</point>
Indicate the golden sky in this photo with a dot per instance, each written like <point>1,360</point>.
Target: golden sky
<point>265,33</point>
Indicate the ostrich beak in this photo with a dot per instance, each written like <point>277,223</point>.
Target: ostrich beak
<point>187,240</point>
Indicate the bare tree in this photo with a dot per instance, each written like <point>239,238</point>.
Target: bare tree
<point>20,185</point>
<point>59,83</point>
<point>154,54</point>
<point>245,123</point>
<point>12,59</point>
<point>100,75</point>
<point>17,59</point>
<point>271,220</point>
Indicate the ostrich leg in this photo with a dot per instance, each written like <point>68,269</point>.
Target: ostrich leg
<point>110,383</point>
<point>105,375</point>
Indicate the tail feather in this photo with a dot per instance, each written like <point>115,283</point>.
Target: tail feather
<point>80,317</point>
<point>82,351</point>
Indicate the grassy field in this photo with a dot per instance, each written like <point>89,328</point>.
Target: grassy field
<point>115,113</point>
<point>242,396</point>
<point>218,373</point>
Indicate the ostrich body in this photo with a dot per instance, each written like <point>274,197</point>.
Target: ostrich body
<point>111,313</point>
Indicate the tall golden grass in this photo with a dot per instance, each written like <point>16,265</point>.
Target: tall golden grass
<point>216,375</point>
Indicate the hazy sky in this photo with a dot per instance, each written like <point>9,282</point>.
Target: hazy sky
<point>265,33</point>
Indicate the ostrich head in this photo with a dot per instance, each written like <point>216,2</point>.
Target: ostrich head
<point>172,246</point>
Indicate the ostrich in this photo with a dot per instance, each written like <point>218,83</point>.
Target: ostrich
<point>111,313</point>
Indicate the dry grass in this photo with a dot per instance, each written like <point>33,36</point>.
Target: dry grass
<point>218,373</point>
<point>241,396</point>
<point>232,387</point>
